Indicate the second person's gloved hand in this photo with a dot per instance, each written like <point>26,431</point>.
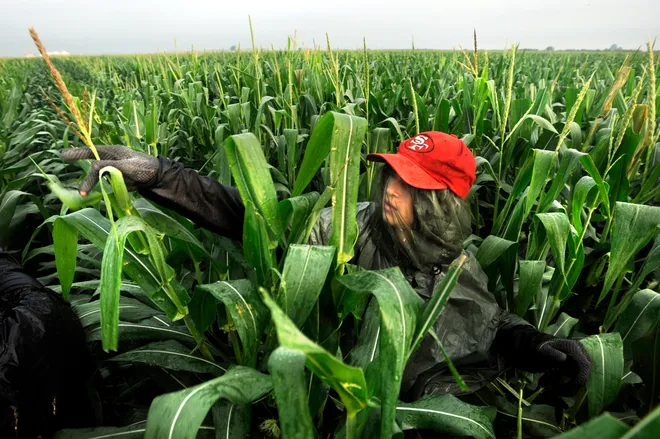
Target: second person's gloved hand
<point>140,170</point>
<point>534,351</point>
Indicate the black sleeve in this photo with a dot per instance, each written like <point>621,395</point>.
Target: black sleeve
<point>203,200</point>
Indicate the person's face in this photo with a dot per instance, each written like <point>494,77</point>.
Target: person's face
<point>398,203</point>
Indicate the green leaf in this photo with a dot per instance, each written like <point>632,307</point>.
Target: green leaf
<point>130,310</point>
<point>305,270</point>
<point>557,229</point>
<point>634,226</point>
<point>640,316</point>
<point>498,256</point>
<point>7,208</point>
<point>606,352</point>
<point>317,150</point>
<point>253,180</point>
<point>287,369</point>
<point>399,306</point>
<point>346,144</point>
<point>256,244</point>
<point>202,308</point>
<point>651,262</point>
<point>522,181</point>
<point>149,331</point>
<point>179,414</point>
<point>130,432</point>
<point>531,278</point>
<point>65,240</point>
<point>295,211</point>
<point>167,225</point>
<point>441,119</point>
<point>446,414</point>
<point>542,122</point>
<point>438,301</point>
<point>603,427</point>
<point>71,198</point>
<point>603,188</point>
<point>544,162</point>
<point>366,348</point>
<point>247,311</point>
<point>170,355</point>
<point>347,381</point>
<point>647,428</point>
<point>570,159</point>
<point>231,421</point>
<point>563,327</point>
<point>95,227</point>
<point>580,193</point>
<point>538,420</point>
<point>111,273</point>
<point>646,363</point>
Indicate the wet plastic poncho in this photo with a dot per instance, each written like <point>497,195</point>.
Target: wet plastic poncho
<point>44,361</point>
<point>471,319</point>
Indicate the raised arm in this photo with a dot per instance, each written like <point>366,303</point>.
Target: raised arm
<point>203,200</point>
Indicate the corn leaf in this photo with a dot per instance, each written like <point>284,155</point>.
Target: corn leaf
<point>346,143</point>
<point>569,161</point>
<point>399,307</point>
<point>287,369</point>
<point>606,352</point>
<point>111,273</point>
<point>305,272</point>
<point>544,162</point>
<point>130,310</point>
<point>498,257</point>
<point>437,303</point>
<point>65,240</point>
<point>347,381</point>
<point>130,432</point>
<point>93,226</point>
<point>557,229</point>
<point>634,226</point>
<point>295,211</point>
<point>647,428</point>
<point>447,414</point>
<point>247,311</point>
<point>563,327</point>
<point>231,421</point>
<point>603,427</point>
<point>640,316</point>
<point>257,245</point>
<point>529,285</point>
<point>171,355</point>
<point>582,191</point>
<point>252,176</point>
<point>180,414</point>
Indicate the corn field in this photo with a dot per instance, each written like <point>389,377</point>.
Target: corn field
<point>197,335</point>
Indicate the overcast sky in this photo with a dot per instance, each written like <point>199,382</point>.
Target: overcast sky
<point>138,26</point>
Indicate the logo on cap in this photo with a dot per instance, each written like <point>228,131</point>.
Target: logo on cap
<point>420,143</point>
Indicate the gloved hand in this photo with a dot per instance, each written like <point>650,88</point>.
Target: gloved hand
<point>140,170</point>
<point>534,351</point>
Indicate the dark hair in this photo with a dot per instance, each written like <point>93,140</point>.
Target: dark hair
<point>441,222</point>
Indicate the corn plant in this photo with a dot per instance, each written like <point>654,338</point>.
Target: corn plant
<point>273,336</point>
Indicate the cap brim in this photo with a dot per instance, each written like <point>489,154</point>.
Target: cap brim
<point>409,171</point>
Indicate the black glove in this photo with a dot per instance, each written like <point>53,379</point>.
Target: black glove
<point>534,351</point>
<point>140,171</point>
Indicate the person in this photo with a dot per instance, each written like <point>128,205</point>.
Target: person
<point>45,366</point>
<point>418,223</point>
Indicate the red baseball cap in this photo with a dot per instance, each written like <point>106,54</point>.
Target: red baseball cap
<point>433,160</point>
